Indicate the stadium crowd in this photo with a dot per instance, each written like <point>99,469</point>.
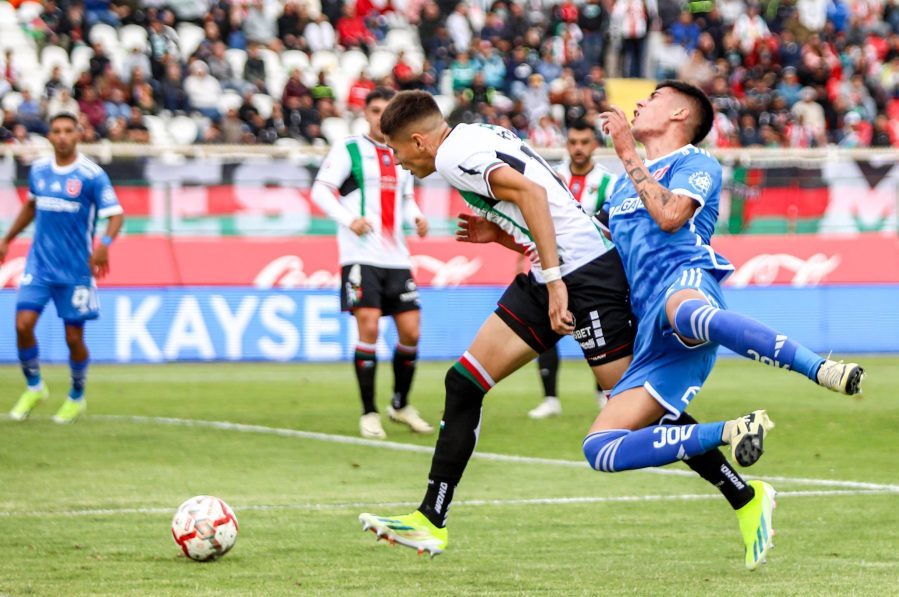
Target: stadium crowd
<point>782,73</point>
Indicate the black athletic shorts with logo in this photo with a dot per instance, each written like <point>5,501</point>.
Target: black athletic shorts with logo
<point>389,289</point>
<point>599,299</point>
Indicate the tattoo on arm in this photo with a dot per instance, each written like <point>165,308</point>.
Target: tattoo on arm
<point>638,174</point>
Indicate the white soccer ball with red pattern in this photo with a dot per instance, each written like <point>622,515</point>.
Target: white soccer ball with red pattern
<point>205,528</point>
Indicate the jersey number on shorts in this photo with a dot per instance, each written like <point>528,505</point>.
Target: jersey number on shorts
<point>84,299</point>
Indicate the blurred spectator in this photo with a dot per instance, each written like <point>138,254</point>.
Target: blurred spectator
<point>233,128</point>
<point>359,90</point>
<point>30,113</point>
<point>203,92</point>
<point>99,62</point>
<point>881,133</point>
<point>137,131</point>
<point>98,11</point>
<point>172,92</point>
<point>320,35</point>
<point>789,88</point>
<point>322,90</point>
<point>163,43</point>
<point>592,20</point>
<point>493,66</point>
<point>62,102</point>
<point>89,134</point>
<point>535,100</point>
<point>750,29</point>
<point>254,69</point>
<point>462,71</point>
<point>292,23</point>
<point>136,59</point>
<point>810,111</point>
<point>459,27</point>
<point>631,19</point>
<point>352,32</point>
<point>294,88</point>
<point>546,134</point>
<point>403,73</point>
<point>685,32</point>
<point>92,108</point>
<point>53,84</point>
<point>221,70</point>
<point>117,130</point>
<point>670,57</point>
<point>116,106</point>
<point>143,95</point>
<point>258,28</point>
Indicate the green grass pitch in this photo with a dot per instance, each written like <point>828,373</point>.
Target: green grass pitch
<point>85,509</point>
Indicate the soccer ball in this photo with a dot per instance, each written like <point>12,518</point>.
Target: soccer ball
<point>204,527</point>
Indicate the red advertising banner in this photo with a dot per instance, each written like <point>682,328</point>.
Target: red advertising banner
<point>311,262</point>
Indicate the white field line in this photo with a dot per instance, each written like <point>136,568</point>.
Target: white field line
<point>387,445</point>
<point>556,501</point>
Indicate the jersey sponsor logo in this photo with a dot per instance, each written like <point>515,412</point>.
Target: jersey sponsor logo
<point>56,204</point>
<point>701,181</point>
<point>627,206</point>
<point>73,186</point>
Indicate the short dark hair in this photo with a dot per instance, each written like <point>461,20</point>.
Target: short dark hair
<point>406,108</point>
<point>581,125</point>
<point>700,101</point>
<point>379,93</point>
<point>67,115</point>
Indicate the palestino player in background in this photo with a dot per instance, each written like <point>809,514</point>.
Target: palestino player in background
<point>591,185</point>
<point>361,187</point>
<point>662,216</point>
<point>66,195</point>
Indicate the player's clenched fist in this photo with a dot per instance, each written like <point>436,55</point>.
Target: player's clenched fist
<point>614,124</point>
<point>360,226</point>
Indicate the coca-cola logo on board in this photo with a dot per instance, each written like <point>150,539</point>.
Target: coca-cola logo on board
<point>11,272</point>
<point>766,269</point>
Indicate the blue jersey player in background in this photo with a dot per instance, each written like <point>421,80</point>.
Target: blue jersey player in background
<point>67,195</point>
<point>662,216</point>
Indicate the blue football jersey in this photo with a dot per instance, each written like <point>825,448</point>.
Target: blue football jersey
<point>650,255</point>
<point>68,201</point>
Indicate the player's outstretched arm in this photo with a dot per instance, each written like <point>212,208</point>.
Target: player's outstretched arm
<point>507,184</point>
<point>669,210</point>
<point>25,217</point>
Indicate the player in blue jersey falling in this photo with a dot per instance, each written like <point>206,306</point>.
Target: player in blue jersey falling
<point>662,216</point>
<point>66,196</point>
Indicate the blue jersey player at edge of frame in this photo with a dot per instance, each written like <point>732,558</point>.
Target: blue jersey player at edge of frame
<point>67,194</point>
<point>661,216</point>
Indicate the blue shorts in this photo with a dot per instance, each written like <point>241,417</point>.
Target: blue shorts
<point>75,303</point>
<point>671,371</point>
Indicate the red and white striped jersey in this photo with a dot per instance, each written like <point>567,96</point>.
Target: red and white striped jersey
<point>363,179</point>
<point>591,189</point>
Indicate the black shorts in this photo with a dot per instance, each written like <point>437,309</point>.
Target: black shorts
<point>599,299</point>
<point>388,289</point>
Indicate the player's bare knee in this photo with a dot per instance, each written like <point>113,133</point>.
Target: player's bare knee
<point>409,338</point>
<point>25,327</point>
<point>677,299</point>
<point>74,338</point>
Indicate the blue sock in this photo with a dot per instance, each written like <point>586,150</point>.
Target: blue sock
<point>79,378</point>
<point>31,365</point>
<point>698,320</point>
<point>622,450</point>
